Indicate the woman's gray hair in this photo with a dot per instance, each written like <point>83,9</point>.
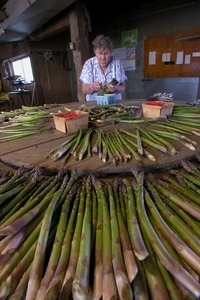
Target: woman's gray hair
<point>102,42</point>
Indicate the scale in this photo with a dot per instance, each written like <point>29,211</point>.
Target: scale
<point>16,81</point>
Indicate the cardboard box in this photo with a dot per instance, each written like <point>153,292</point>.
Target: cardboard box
<point>153,111</point>
<point>66,123</point>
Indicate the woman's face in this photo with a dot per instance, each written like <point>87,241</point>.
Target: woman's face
<point>103,56</point>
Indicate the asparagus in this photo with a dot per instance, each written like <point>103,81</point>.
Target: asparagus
<point>98,256</point>
<point>190,221</point>
<point>18,272</point>
<point>165,257</point>
<point>21,197</point>
<point>53,286</point>
<point>45,192</point>
<point>113,147</point>
<point>19,177</point>
<point>19,253</point>
<point>20,290</point>
<point>175,222</point>
<point>128,141</point>
<point>151,134</point>
<point>183,249</point>
<point>86,142</point>
<point>125,142</point>
<point>64,285</point>
<point>121,278</point>
<point>148,141</point>
<point>109,289</point>
<point>137,241</point>
<point>109,285</point>
<point>129,257</point>
<point>183,202</point>
<point>11,193</point>
<point>81,286</point>
<point>172,251</point>
<point>170,281</point>
<point>110,152</point>
<point>182,190</point>
<point>41,248</point>
<point>139,285</point>
<point>156,285</point>
<point>94,214</point>
<point>18,238</point>
<point>57,245</point>
<point>28,215</point>
<point>121,200</point>
<point>139,142</point>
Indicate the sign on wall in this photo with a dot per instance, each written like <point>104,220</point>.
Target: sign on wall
<point>130,37</point>
<point>127,53</point>
<point>127,57</point>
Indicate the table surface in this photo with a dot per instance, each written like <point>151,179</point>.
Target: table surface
<point>20,92</point>
<point>33,151</point>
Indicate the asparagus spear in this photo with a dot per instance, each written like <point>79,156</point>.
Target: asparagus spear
<point>125,142</point>
<point>170,281</point>
<point>166,259</point>
<point>41,247</point>
<point>129,257</point>
<point>122,282</point>
<point>57,245</point>
<point>81,286</point>
<point>181,189</point>
<point>175,222</point>
<point>20,290</point>
<point>72,258</point>
<point>109,290</point>
<point>189,206</point>
<point>52,288</point>
<point>137,241</point>
<point>139,285</point>
<point>98,256</point>
<point>187,238</point>
<point>156,285</point>
<point>155,145</point>
<point>44,193</point>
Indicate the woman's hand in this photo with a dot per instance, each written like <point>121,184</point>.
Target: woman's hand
<point>111,88</point>
<point>91,88</point>
<point>119,88</point>
<point>97,86</point>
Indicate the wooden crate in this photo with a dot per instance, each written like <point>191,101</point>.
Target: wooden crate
<point>153,111</point>
<point>66,123</point>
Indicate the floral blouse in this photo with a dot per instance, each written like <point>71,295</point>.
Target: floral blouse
<point>92,72</point>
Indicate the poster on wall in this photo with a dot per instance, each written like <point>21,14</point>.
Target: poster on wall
<point>130,37</point>
<point>128,50</point>
<point>127,57</point>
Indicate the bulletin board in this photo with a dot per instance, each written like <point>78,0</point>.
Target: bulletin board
<point>127,57</point>
<point>175,55</point>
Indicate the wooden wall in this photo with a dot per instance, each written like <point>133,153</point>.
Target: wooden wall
<point>168,50</point>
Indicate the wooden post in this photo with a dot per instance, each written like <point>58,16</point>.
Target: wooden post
<point>79,30</point>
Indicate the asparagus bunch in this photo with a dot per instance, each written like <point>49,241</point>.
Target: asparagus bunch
<point>87,238</point>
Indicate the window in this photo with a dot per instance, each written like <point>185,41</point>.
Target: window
<point>23,68</point>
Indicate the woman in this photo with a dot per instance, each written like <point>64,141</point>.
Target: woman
<point>102,71</point>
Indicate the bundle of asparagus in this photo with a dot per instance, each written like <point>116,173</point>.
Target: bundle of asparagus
<point>65,237</point>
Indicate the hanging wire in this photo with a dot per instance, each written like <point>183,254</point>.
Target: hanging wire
<point>49,58</point>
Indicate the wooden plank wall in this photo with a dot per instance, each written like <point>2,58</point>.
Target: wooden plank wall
<point>188,42</point>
